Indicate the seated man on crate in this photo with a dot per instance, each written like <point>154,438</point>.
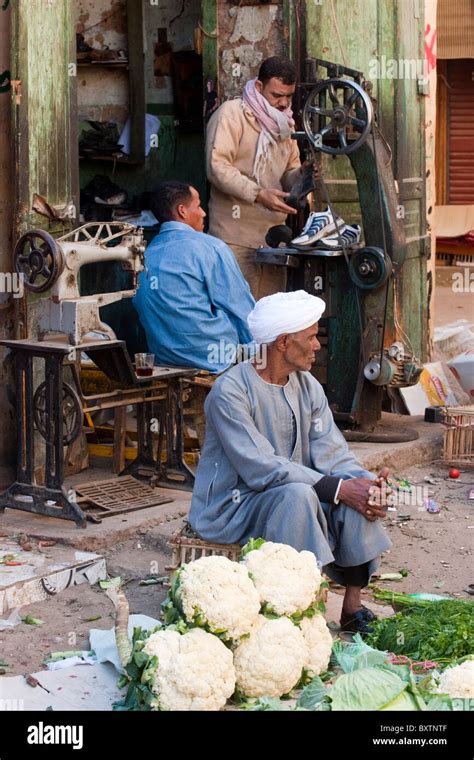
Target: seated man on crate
<point>192,299</point>
<point>274,464</point>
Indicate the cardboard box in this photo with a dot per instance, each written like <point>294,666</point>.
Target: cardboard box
<point>433,389</point>
<point>462,366</point>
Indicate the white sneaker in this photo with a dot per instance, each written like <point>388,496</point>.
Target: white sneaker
<point>318,224</point>
<point>349,235</point>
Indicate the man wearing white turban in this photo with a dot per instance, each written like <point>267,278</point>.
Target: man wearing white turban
<point>274,464</point>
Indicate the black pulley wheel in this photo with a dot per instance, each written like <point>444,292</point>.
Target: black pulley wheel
<point>38,260</point>
<point>338,116</point>
<point>369,268</point>
<point>71,410</point>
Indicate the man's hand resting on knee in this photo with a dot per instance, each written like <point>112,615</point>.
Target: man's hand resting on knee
<point>369,497</point>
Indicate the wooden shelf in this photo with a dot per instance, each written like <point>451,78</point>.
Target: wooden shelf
<point>135,68</point>
<point>108,64</point>
<point>118,159</point>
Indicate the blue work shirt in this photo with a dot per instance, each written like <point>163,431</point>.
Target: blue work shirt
<point>193,300</point>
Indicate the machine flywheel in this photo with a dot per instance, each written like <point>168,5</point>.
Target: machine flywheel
<point>38,259</point>
<point>337,116</point>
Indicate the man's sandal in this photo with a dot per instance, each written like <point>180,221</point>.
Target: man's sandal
<point>357,622</point>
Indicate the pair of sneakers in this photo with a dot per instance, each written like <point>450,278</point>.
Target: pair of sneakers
<point>321,231</point>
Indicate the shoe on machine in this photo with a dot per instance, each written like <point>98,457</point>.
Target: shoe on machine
<point>348,235</point>
<point>318,224</point>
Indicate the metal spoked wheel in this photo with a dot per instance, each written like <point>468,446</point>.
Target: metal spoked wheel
<point>38,260</point>
<point>337,116</point>
<point>71,408</point>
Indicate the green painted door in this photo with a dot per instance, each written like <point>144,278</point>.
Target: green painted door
<point>44,128</point>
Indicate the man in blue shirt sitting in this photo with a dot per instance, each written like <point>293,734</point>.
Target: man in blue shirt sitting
<point>192,299</point>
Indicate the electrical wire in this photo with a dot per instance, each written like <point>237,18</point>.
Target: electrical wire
<point>338,32</point>
<point>398,328</point>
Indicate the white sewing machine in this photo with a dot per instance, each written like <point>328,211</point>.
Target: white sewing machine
<point>44,263</point>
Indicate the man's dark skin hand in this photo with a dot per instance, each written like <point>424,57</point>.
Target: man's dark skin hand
<point>274,199</point>
<point>368,497</point>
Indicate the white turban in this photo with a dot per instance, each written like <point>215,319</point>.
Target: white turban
<point>284,313</point>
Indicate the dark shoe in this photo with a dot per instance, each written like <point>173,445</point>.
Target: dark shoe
<point>357,622</point>
<point>369,615</point>
<point>301,188</point>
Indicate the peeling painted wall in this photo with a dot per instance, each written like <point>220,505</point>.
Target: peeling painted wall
<point>179,19</point>
<point>7,303</point>
<point>247,35</point>
<point>103,23</point>
<point>179,155</point>
<point>430,139</point>
<point>102,93</point>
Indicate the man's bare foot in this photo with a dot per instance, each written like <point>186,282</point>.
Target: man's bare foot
<point>352,601</point>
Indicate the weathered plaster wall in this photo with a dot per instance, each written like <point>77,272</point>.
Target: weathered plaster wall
<point>176,22</point>
<point>247,35</point>
<point>103,23</point>
<point>178,155</point>
<point>102,93</point>
<point>430,140</point>
<point>7,322</point>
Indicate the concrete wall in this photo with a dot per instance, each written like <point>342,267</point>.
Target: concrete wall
<point>7,302</point>
<point>247,35</point>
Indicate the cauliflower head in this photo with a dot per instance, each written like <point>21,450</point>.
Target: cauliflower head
<point>458,681</point>
<point>269,662</point>
<point>287,580</point>
<point>319,642</point>
<point>217,594</point>
<point>194,670</point>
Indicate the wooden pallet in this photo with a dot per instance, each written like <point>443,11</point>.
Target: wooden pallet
<point>107,498</point>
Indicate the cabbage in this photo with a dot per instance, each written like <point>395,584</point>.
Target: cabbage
<point>366,689</point>
<point>405,701</point>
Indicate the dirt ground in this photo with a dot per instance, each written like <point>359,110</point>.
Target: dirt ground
<point>450,306</point>
<point>435,549</point>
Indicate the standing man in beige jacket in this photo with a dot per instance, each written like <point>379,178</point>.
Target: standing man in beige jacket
<point>251,164</point>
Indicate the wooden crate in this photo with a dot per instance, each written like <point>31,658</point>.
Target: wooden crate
<point>187,546</point>
<point>459,435</point>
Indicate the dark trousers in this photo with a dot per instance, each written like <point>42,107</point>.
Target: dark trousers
<point>352,576</point>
